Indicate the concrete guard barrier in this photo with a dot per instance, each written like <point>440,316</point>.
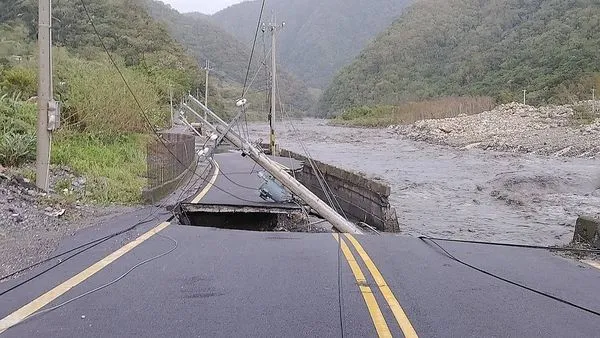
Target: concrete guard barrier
<point>362,199</point>
<point>587,229</point>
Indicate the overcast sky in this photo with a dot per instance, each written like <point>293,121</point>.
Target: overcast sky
<point>202,6</point>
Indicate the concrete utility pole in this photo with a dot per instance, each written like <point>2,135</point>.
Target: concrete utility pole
<point>273,27</point>
<point>594,100</point>
<point>44,94</point>
<point>207,69</point>
<point>339,222</point>
<point>524,95</point>
<point>171,102</point>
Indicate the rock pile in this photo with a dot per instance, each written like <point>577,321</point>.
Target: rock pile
<point>550,130</point>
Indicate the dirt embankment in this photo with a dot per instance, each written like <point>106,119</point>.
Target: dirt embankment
<point>32,223</point>
<point>570,130</point>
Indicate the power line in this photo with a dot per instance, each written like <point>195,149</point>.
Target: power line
<point>539,247</point>
<point>545,294</point>
<point>262,7</point>
<point>39,313</point>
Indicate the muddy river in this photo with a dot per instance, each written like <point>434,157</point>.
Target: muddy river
<point>459,193</point>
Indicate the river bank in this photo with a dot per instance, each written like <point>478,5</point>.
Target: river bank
<point>568,130</point>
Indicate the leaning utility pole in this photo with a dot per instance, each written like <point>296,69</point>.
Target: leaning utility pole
<point>339,222</point>
<point>273,27</point>
<point>44,94</point>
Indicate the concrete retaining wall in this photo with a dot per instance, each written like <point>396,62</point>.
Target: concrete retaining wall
<point>361,198</point>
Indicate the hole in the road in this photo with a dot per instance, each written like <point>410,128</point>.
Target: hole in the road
<point>249,218</point>
<point>256,221</point>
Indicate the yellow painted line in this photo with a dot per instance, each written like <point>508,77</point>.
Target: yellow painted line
<point>209,185</point>
<point>378,319</point>
<point>595,264</point>
<point>393,303</point>
<point>43,300</point>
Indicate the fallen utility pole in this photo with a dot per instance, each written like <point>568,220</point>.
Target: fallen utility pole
<point>339,222</point>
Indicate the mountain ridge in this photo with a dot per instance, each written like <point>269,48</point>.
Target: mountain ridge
<point>493,48</point>
<point>320,36</point>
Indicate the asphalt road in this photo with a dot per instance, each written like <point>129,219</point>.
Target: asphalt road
<point>226,283</point>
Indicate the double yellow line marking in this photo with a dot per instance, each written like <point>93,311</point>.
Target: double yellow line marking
<point>374,310</point>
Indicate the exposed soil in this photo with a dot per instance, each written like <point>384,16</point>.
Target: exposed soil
<point>32,223</point>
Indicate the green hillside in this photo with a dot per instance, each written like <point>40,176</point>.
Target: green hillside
<point>229,57</point>
<point>320,37</point>
<point>471,47</point>
<point>103,134</point>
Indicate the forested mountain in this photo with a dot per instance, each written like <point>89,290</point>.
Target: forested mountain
<point>104,134</point>
<point>142,47</point>
<point>229,57</point>
<point>320,36</point>
<point>458,47</point>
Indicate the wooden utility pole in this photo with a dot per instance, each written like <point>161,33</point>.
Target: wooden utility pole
<point>44,94</point>
<point>339,222</point>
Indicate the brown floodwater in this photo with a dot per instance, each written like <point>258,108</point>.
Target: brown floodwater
<point>459,193</point>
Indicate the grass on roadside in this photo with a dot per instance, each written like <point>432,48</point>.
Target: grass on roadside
<point>114,165</point>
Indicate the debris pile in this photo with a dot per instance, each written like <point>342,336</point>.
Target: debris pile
<point>32,222</point>
<point>570,130</point>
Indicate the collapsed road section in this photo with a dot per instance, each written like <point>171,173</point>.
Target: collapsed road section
<point>259,195</point>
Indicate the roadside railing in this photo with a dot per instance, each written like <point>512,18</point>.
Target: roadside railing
<point>168,161</point>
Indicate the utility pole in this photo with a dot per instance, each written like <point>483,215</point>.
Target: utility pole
<point>273,27</point>
<point>339,222</point>
<point>594,100</point>
<point>207,70</point>
<point>171,102</point>
<point>524,95</point>
<point>44,94</point>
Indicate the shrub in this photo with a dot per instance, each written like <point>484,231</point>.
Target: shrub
<point>16,116</point>
<point>19,80</point>
<point>16,149</point>
<point>96,100</point>
<point>411,112</point>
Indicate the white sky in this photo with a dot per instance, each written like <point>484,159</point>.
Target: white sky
<point>202,6</point>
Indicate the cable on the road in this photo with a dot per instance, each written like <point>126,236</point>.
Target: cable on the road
<point>449,255</point>
<point>173,248</point>
<point>537,247</point>
<point>68,251</point>
<point>84,247</point>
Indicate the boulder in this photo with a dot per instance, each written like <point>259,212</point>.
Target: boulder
<point>587,230</point>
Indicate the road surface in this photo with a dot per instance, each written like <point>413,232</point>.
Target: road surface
<point>226,283</point>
